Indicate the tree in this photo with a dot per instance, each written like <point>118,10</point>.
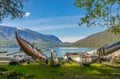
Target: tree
<point>101,13</point>
<point>11,8</point>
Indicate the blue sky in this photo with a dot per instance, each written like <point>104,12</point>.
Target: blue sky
<point>56,17</point>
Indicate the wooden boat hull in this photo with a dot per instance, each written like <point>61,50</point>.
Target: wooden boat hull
<point>82,58</point>
<point>108,49</point>
<point>29,50</point>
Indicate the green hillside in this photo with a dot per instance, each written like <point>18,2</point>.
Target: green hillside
<point>7,37</point>
<point>12,43</point>
<point>97,40</point>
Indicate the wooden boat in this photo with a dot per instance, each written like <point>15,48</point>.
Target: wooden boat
<point>83,58</point>
<point>29,49</point>
<point>108,49</point>
<point>89,57</point>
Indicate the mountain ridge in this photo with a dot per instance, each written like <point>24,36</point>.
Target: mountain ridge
<point>97,39</point>
<point>7,33</point>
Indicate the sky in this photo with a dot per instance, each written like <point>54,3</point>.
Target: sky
<point>55,17</point>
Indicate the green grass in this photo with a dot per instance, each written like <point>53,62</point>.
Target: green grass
<point>67,71</point>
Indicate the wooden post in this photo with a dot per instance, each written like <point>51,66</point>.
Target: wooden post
<point>54,59</point>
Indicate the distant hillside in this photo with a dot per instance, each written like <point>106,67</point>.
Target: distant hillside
<point>7,37</point>
<point>97,40</point>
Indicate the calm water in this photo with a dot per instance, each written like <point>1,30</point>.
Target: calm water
<point>60,50</point>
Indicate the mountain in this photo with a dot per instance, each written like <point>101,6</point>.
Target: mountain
<point>7,36</point>
<point>97,40</point>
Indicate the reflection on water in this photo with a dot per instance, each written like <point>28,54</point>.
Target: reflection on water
<point>60,50</point>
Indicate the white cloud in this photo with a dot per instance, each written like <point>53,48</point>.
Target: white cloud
<point>53,27</point>
<point>71,39</point>
<point>43,21</point>
<point>27,14</point>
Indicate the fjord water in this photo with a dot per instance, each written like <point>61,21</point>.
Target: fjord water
<point>60,50</point>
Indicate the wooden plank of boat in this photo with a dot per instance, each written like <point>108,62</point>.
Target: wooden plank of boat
<point>12,53</point>
<point>29,49</point>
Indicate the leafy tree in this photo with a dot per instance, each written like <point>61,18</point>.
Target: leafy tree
<point>11,8</point>
<point>101,13</point>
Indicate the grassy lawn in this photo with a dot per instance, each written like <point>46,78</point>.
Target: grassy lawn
<point>66,71</point>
